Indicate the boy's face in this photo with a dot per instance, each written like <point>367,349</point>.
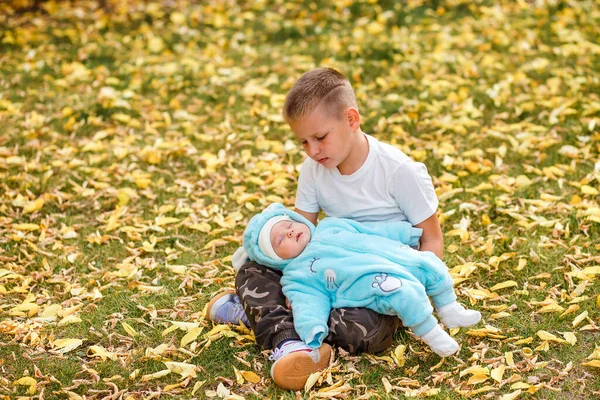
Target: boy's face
<point>289,238</point>
<point>324,138</point>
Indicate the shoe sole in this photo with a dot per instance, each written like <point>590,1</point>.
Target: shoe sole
<point>292,371</point>
<point>214,300</point>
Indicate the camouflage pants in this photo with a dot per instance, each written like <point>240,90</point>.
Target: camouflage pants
<point>353,329</point>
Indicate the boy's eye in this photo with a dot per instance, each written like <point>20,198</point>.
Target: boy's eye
<point>322,137</point>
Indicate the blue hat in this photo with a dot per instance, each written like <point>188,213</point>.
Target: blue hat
<point>258,246</point>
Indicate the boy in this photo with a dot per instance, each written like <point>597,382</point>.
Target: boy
<point>346,263</point>
<point>347,174</point>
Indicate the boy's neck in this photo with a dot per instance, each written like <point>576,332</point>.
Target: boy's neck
<point>358,154</point>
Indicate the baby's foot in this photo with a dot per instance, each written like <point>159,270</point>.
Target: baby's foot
<point>454,315</point>
<point>440,342</point>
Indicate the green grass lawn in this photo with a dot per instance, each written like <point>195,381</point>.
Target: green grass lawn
<point>137,138</point>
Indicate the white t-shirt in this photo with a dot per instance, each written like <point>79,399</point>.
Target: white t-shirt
<point>389,186</point>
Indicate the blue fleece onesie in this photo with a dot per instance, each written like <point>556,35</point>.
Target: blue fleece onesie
<point>352,264</point>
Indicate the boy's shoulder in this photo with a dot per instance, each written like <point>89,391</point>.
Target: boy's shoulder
<point>387,152</point>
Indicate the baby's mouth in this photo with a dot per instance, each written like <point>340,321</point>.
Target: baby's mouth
<point>298,236</point>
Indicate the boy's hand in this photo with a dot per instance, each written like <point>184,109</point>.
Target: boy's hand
<point>432,238</point>
<point>288,304</point>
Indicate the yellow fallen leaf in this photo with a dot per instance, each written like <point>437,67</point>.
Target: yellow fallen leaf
<point>570,337</point>
<point>593,363</point>
<point>184,326</point>
<point>312,379</point>
<point>177,269</point>
<point>71,319</point>
<point>160,221</point>
<point>386,385</point>
<point>545,346</point>
<point>479,374</point>
<point>66,345</point>
<point>511,396</point>
<point>218,329</point>
<point>215,243</point>
<point>503,285</point>
<point>99,351</point>
<point>571,309</point>
<point>579,319</point>
<point>29,309</point>
<point>552,308</point>
<point>26,227</point>
<point>191,336</point>
<point>398,355</point>
<point>502,314</point>
<point>250,376</point>
<point>520,385</point>
<point>27,381</point>
<point>586,189</point>
<point>156,44</point>
<point>183,369</point>
<point>509,359</point>
<point>173,386</point>
<point>33,206</point>
<point>129,329</point>
<point>497,373</point>
<point>177,18</point>
<point>156,375</point>
<point>197,386</point>
<point>134,374</point>
<point>547,336</point>
<point>527,340</point>
<point>239,378</point>
<point>202,227</point>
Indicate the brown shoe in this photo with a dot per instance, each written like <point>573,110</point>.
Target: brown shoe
<point>295,361</point>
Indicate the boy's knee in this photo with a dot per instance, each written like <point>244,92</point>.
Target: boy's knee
<point>259,286</point>
<point>252,273</point>
<point>361,330</point>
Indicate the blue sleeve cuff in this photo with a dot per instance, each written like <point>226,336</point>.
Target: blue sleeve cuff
<point>315,337</point>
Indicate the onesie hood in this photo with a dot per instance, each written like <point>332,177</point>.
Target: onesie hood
<point>252,234</point>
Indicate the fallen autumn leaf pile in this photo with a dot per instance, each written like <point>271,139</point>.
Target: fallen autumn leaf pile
<point>137,138</point>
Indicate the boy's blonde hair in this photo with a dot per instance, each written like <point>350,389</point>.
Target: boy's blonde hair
<point>322,87</point>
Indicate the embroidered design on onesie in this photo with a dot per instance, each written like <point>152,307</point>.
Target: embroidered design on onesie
<point>330,278</point>
<point>386,283</point>
<point>314,260</point>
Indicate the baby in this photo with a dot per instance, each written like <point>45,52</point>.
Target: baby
<point>344,263</point>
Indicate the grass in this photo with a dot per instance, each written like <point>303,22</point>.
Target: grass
<point>94,97</point>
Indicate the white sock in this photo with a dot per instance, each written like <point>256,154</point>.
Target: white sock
<point>454,315</point>
<point>440,342</point>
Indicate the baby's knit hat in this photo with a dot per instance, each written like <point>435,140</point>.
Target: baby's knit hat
<point>257,237</point>
<point>264,237</point>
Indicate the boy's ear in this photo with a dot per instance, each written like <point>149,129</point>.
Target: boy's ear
<point>353,118</point>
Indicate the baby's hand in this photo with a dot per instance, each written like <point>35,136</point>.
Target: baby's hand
<point>288,304</point>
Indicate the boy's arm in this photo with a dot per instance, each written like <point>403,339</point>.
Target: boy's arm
<point>312,217</point>
<point>401,231</point>
<point>432,238</point>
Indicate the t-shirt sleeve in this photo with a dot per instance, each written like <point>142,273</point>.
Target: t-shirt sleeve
<point>306,194</point>
<point>414,192</point>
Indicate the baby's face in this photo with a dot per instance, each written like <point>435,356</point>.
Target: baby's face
<point>289,238</point>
